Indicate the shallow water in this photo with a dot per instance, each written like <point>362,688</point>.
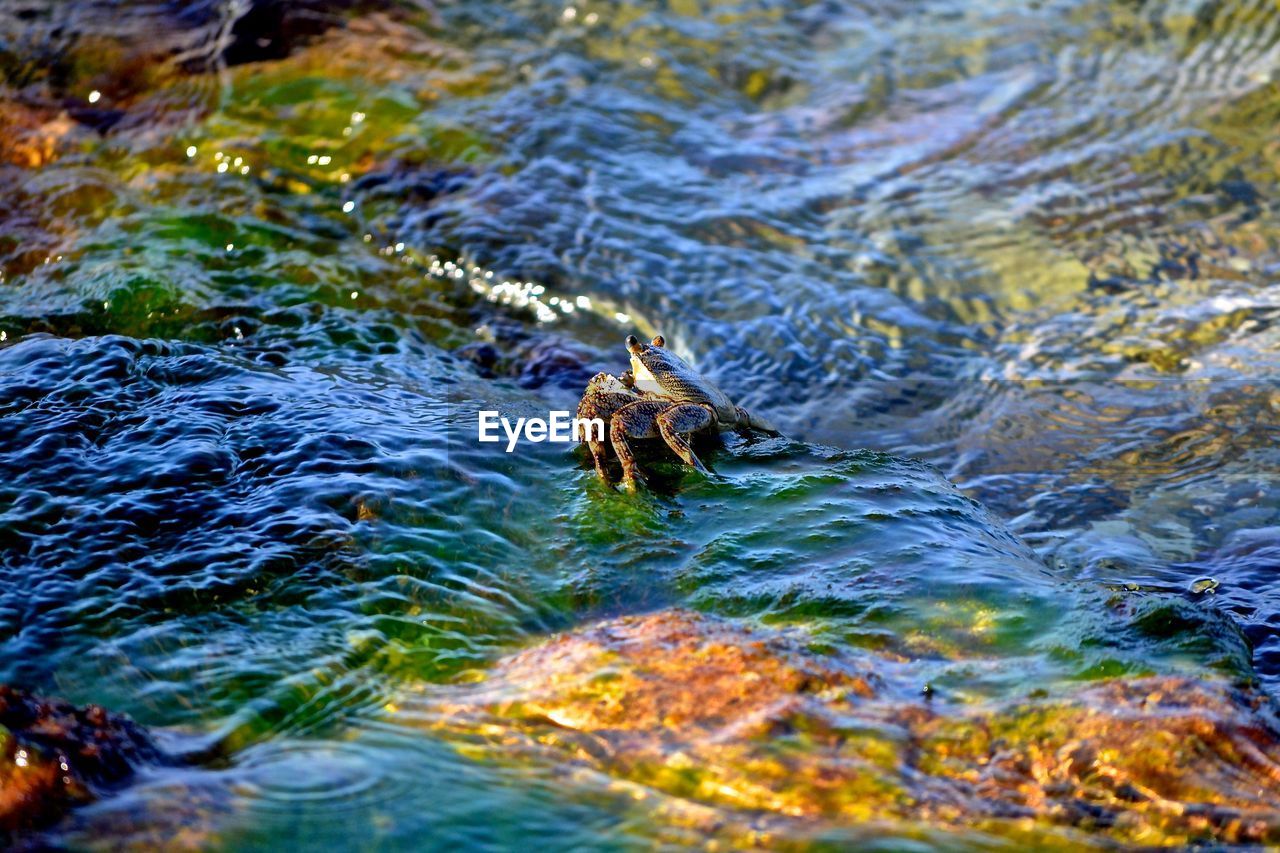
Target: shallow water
<point>1032,246</point>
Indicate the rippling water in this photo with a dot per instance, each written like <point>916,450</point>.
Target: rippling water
<point>260,268</point>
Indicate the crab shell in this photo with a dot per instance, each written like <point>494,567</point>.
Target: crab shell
<point>658,370</point>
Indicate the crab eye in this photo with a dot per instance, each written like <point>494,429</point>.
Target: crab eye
<point>659,341</point>
<point>632,341</point>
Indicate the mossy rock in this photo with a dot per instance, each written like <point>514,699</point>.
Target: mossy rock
<point>750,723</point>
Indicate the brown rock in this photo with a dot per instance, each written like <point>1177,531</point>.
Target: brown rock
<point>31,136</point>
<point>752,724</point>
<point>53,756</point>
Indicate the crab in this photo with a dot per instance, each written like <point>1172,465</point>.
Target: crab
<point>661,396</point>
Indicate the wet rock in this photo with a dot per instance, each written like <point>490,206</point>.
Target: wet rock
<point>272,29</point>
<point>532,357</point>
<point>110,68</point>
<point>56,55</point>
<point>752,723</point>
<point>269,30</point>
<point>99,120</point>
<point>55,756</point>
<point>32,136</point>
<point>483,356</point>
<point>553,360</point>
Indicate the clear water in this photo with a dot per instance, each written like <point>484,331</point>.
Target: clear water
<point>1030,249</point>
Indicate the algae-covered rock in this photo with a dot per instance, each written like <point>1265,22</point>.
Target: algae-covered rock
<point>753,723</point>
<point>54,756</point>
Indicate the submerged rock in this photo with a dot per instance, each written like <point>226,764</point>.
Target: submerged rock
<point>32,135</point>
<point>55,756</point>
<point>150,64</point>
<point>272,29</point>
<point>533,358</point>
<point>752,722</point>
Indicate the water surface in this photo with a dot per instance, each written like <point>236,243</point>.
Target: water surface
<point>1004,273</point>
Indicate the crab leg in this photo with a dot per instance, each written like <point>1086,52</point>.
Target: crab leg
<point>677,421</point>
<point>598,448</point>
<point>603,406</point>
<point>636,420</point>
<point>746,420</point>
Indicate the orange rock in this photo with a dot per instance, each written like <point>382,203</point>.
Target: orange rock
<point>749,722</point>
<point>32,136</point>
